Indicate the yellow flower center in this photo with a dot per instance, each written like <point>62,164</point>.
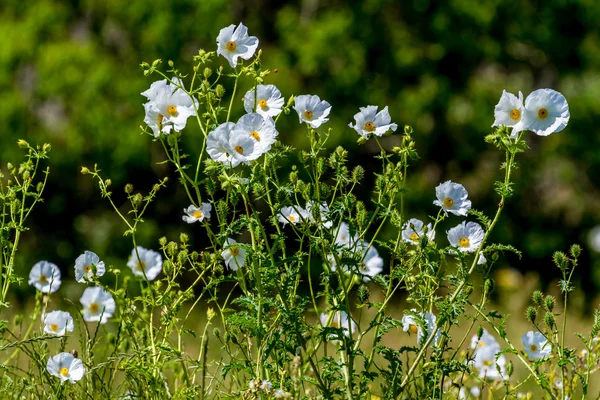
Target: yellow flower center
<point>231,46</point>
<point>54,327</point>
<point>262,104</point>
<point>448,202</point>
<point>308,114</point>
<point>334,324</point>
<point>464,242</point>
<point>160,119</point>
<point>413,329</point>
<point>533,347</point>
<point>94,307</point>
<point>370,127</point>
<point>43,279</point>
<point>140,266</point>
<point>172,110</point>
<point>255,135</point>
<point>414,237</point>
<point>515,114</point>
<point>64,371</point>
<point>87,269</point>
<point>487,363</point>
<point>481,344</point>
<point>542,113</point>
<point>235,251</point>
<point>198,214</point>
<point>292,218</point>
<point>239,149</point>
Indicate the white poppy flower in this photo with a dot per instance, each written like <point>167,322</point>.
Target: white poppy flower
<point>413,231</point>
<point>217,144</point>
<point>410,324</point>
<point>58,323</point>
<point>292,215</point>
<point>323,211</point>
<point>485,340</point>
<point>268,99</point>
<point>509,112</point>
<point>536,345</point>
<point>452,197</point>
<point>370,265</point>
<point>233,256</point>
<point>233,43</point>
<point>45,276</point>
<point>340,320</point>
<point>169,107</point>
<point>66,367</point>
<point>312,110</point>
<point>148,265</point>
<point>98,305</point>
<point>546,112</point>
<point>369,121</point>
<point>194,213</point>
<point>485,362</point>
<point>87,265</point>
<point>260,130</point>
<point>466,236</point>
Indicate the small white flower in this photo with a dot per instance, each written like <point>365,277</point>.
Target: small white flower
<point>194,213</point>
<point>323,211</point>
<point>292,215</point>
<point>145,263</point>
<point>466,236</point>
<point>87,265</point>
<point>233,256</point>
<point>268,99</point>
<point>98,305</point>
<point>233,43</point>
<point>413,231</point>
<point>546,112</point>
<point>485,340</point>
<point>343,237</point>
<point>370,263</point>
<point>452,197</point>
<point>485,362</point>
<point>536,345</point>
<point>509,112</point>
<point>410,324</point>
<point>369,121</point>
<point>169,107</point>
<point>340,320</point>
<point>312,110</point>
<point>266,386</point>
<point>279,394</point>
<point>45,276</point>
<point>58,323</point>
<point>66,367</point>
<point>260,130</point>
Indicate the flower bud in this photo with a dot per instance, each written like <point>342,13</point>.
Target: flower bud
<point>9,166</point>
<point>46,147</point>
<point>479,332</point>
<point>531,314</point>
<point>39,187</point>
<point>537,298</point>
<point>561,260</point>
<point>549,320</point>
<point>207,72</point>
<point>18,319</point>
<point>162,241</point>
<point>510,368</point>
<point>184,237</point>
<point>107,182</point>
<point>22,144</point>
<point>171,63</point>
<point>575,251</point>
<point>210,313</point>
<point>220,90</point>
<point>129,188</point>
<point>26,175</point>
<point>549,301</point>
<point>84,171</point>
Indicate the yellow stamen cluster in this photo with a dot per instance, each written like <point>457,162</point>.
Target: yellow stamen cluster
<point>94,307</point>
<point>64,371</point>
<point>464,242</point>
<point>262,104</point>
<point>43,279</point>
<point>292,218</point>
<point>413,329</point>
<point>87,268</point>
<point>54,327</point>
<point>255,135</point>
<point>308,114</point>
<point>198,214</point>
<point>239,149</point>
<point>487,363</point>
<point>515,114</point>
<point>448,202</point>
<point>542,113</point>
<point>370,127</point>
<point>414,237</point>
<point>140,266</point>
<point>533,347</point>
<point>172,110</point>
<point>231,46</point>
<point>235,251</point>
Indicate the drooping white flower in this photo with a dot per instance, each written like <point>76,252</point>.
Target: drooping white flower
<point>98,305</point>
<point>411,324</point>
<point>340,320</point>
<point>485,340</point>
<point>452,197</point>
<point>509,112</point>
<point>536,345</point>
<point>323,211</point>
<point>145,263</point>
<point>194,213</point>
<point>66,367</point>
<point>260,130</point>
<point>233,43</point>
<point>45,276</point>
<point>369,121</point>
<point>467,236</point>
<point>292,215</point>
<point>413,231</point>
<point>58,323</point>
<point>233,256</point>
<point>312,110</point>
<point>87,265</point>
<point>169,107</point>
<point>546,112</point>
<point>268,101</point>
<point>485,362</point>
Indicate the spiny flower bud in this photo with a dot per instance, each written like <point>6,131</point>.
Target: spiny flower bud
<point>488,285</point>
<point>162,241</point>
<point>172,248</point>
<point>137,199</point>
<point>531,314</point>
<point>362,294</point>
<point>26,175</point>
<point>46,147</point>
<point>479,332</point>
<point>550,301</point>
<point>184,238</point>
<point>129,188</point>
<point>107,182</point>
<point>510,368</point>
<point>22,144</point>
<point>560,259</point>
<point>549,320</point>
<point>537,298</point>
<point>85,170</point>
<point>575,251</point>
<point>220,90</point>
<point>207,72</point>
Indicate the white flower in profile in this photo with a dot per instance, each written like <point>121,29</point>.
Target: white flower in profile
<point>509,112</point>
<point>312,110</point>
<point>414,230</point>
<point>66,367</point>
<point>217,144</point>
<point>45,276</point>
<point>261,131</point>
<point>292,215</point>
<point>233,43</point>
<point>169,107</point>
<point>371,264</point>
<point>485,362</point>
<point>536,345</point>
<point>145,263</point>
<point>98,305</point>
<point>369,121</point>
<point>410,324</point>
<point>467,236</point>
<point>323,211</point>
<point>340,320</point>
<point>546,112</point>
<point>485,340</point>
<point>269,101</point>
<point>58,323</point>
<point>233,256</point>
<point>194,213</point>
<point>452,197</point>
<point>88,265</point>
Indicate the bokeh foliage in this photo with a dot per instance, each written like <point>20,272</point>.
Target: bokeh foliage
<point>69,75</point>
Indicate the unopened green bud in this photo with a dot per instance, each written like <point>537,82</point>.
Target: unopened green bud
<point>408,130</point>
<point>85,171</point>
<point>575,251</point>
<point>531,314</point>
<point>137,199</point>
<point>26,175</point>
<point>129,188</point>
<point>488,285</point>
<point>18,319</point>
<point>184,237</point>
<point>358,174</point>
<point>216,332</point>
<point>39,187</point>
<point>510,368</point>
<point>9,166</point>
<point>156,63</point>
<point>207,72</point>
<point>560,259</point>
<point>156,187</point>
<point>220,90</point>
<point>22,144</point>
<point>171,63</point>
<point>46,147</point>
<point>549,320</point>
<point>537,297</point>
<point>172,248</point>
<point>162,241</point>
<point>363,294</point>
<point>549,301</point>
<point>107,182</point>
<point>194,255</point>
<point>479,332</point>
<point>361,140</point>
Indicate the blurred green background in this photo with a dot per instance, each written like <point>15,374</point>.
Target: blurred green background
<point>70,76</point>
